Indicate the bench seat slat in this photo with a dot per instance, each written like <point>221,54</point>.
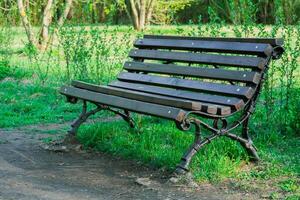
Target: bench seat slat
<point>157,99</point>
<point>210,73</point>
<point>217,88</point>
<point>188,57</point>
<point>234,103</point>
<point>124,103</point>
<point>260,49</point>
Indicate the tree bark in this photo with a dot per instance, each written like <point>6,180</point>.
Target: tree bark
<point>47,19</point>
<point>134,14</point>
<point>26,23</point>
<point>66,11</point>
<point>149,11</point>
<point>140,12</point>
<point>101,12</point>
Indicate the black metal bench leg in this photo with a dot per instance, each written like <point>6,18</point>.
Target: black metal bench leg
<point>125,116</point>
<point>82,118</point>
<point>183,166</point>
<point>246,141</point>
<point>249,146</point>
<point>128,119</point>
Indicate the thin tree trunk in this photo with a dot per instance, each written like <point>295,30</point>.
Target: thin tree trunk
<point>149,11</point>
<point>26,23</point>
<point>47,19</point>
<point>140,12</point>
<point>142,17</point>
<point>134,14</point>
<point>101,12</point>
<point>66,11</point>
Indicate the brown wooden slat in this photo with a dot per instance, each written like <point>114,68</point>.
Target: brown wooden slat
<point>123,103</point>
<point>200,72</point>
<point>212,59</point>
<point>259,49</point>
<point>223,89</point>
<point>271,41</point>
<point>157,99</point>
<point>234,103</point>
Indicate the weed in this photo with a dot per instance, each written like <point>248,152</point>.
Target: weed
<point>289,185</point>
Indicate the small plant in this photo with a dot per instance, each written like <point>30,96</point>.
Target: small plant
<point>289,185</point>
<point>5,39</point>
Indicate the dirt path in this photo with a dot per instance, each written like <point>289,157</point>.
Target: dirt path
<point>28,171</point>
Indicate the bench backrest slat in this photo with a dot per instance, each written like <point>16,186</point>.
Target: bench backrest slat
<point>198,72</point>
<point>261,49</point>
<point>200,58</point>
<point>272,41</point>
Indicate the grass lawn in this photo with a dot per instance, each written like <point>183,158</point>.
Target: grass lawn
<point>27,99</point>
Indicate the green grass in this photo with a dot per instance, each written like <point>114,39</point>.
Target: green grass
<point>159,144</point>
<point>23,103</point>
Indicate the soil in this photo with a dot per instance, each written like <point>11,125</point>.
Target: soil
<point>30,171</point>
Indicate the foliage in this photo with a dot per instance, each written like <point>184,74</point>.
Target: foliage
<point>166,11</point>
<point>5,39</point>
<point>92,53</point>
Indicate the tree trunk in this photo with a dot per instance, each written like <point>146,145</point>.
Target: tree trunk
<point>26,23</point>
<point>47,19</point>
<point>140,12</point>
<point>149,11</point>
<point>101,12</point>
<point>66,11</point>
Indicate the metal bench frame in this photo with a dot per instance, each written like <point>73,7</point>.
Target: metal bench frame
<point>185,120</point>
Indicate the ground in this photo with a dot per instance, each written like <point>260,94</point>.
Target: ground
<point>29,171</point>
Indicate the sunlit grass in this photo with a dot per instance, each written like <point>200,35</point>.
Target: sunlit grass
<point>158,143</point>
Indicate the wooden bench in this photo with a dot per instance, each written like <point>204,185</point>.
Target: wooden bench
<point>186,79</point>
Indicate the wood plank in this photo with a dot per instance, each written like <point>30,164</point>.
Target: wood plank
<point>187,57</point>
<point>234,103</point>
<point>259,49</point>
<point>199,72</point>
<point>271,41</point>
<point>154,98</point>
<point>217,88</point>
<point>123,103</point>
